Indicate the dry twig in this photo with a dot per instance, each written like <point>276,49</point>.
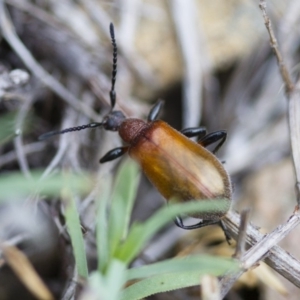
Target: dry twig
<point>241,240</point>
<point>289,86</point>
<point>292,94</point>
<point>264,246</point>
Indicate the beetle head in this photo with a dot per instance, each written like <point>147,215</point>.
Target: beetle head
<point>113,120</point>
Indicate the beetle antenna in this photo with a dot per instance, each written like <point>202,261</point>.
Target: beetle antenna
<point>77,128</point>
<point>112,92</point>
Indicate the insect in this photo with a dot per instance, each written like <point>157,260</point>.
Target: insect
<point>176,166</point>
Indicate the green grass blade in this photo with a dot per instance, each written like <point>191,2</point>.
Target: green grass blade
<point>101,225</point>
<point>190,263</point>
<point>14,185</point>
<point>189,275</point>
<point>109,286</point>
<point>140,234</point>
<point>124,193</point>
<point>162,283</point>
<point>75,232</point>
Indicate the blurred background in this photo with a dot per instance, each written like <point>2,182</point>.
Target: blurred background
<point>210,61</point>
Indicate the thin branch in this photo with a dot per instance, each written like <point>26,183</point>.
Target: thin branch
<point>256,253</point>
<point>265,245</point>
<point>293,95</point>
<point>294,127</point>
<point>289,86</point>
<point>70,289</point>
<point>260,250</point>
<point>241,241</point>
<point>18,141</point>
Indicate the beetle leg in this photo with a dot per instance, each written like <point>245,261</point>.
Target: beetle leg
<point>113,154</point>
<point>212,138</point>
<point>155,110</point>
<point>178,221</point>
<point>194,131</point>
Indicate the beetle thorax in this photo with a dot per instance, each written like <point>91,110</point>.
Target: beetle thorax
<point>131,129</point>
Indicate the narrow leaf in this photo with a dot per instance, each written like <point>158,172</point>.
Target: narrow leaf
<point>188,276</point>
<point>190,263</point>
<point>75,232</point>
<point>122,202</point>
<point>101,225</point>
<point>15,185</point>
<point>140,234</point>
<point>109,286</point>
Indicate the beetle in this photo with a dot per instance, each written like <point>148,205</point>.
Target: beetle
<point>176,165</point>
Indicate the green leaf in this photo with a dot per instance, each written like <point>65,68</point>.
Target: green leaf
<point>75,232</point>
<point>109,286</point>
<point>182,274</point>
<point>182,264</point>
<point>124,193</point>
<point>140,234</point>
<point>14,185</point>
<point>101,224</point>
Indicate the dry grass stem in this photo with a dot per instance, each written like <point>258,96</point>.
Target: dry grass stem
<point>289,86</point>
<point>264,246</point>
<point>241,240</point>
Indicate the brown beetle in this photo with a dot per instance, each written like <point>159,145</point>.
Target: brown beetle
<point>177,166</point>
